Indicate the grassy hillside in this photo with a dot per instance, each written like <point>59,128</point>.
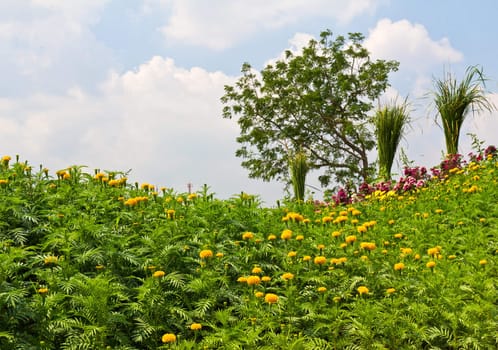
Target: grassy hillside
<point>88,261</point>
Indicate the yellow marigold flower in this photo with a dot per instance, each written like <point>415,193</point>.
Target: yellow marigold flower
<point>168,338</point>
<point>286,234</point>
<point>343,213</point>
<point>320,260</point>
<point>398,235</point>
<point>321,246</point>
<point>179,200</point>
<point>356,212</point>
<point>362,290</point>
<point>431,264</point>
<point>4,181</point>
<point>439,211</point>
<point>451,257</point>
<point>299,237</point>
<point>271,298</point>
<point>336,299</point>
<point>247,235</point>
<point>343,245</point>
<point>287,276</point>
<point>51,259</point>
<point>170,213</point>
<point>256,270</point>
<point>425,215</point>
<point>131,202</point>
<point>259,294</point>
<point>306,258</point>
<point>482,220</point>
<point>6,159</point>
<point>354,221</point>
<point>266,279</point>
<point>158,274</point>
<point>191,196</point>
<point>390,290</point>
<point>66,176</point>
<point>399,266</point>
<point>196,326</point>
<point>361,229</point>
<point>416,257</point>
<point>253,280</point>
<point>42,290</point>
<point>371,223</point>
<point>340,218</point>
<point>100,267</point>
<point>483,262</point>
<point>291,254</point>
<point>364,258</point>
<point>368,245</point>
<point>350,239</point>
<point>336,234</point>
<point>272,237</point>
<point>207,253</point>
<point>306,221</point>
<point>242,279</point>
<point>391,222</point>
<point>406,251</point>
<point>433,251</point>
<point>322,289</point>
<point>327,219</point>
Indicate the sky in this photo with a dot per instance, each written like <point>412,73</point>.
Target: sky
<point>135,85</point>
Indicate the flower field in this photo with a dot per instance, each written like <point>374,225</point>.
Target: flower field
<point>89,261</point>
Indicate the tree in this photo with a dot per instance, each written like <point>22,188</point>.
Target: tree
<point>316,101</point>
<point>454,101</point>
<point>390,122</point>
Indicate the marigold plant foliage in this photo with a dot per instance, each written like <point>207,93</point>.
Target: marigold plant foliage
<point>89,265</point>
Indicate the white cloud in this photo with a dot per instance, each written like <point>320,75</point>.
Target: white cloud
<point>161,120</point>
<point>411,45</point>
<point>222,23</point>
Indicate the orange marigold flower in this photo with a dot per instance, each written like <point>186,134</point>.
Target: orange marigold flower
<point>168,338</point>
<point>431,264</point>
<point>271,298</point>
<point>158,274</point>
<point>362,290</point>
<point>207,253</point>
<point>361,229</point>
<point>259,294</point>
<point>350,239</point>
<point>286,234</point>
<point>368,245</point>
<point>247,235</point>
<point>287,276</point>
<point>399,266</point>
<point>196,326</point>
<point>42,290</point>
<point>256,270</point>
<point>253,280</point>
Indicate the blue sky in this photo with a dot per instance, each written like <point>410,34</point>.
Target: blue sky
<point>135,84</point>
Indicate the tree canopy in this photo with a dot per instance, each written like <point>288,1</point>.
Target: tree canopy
<point>316,101</point>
